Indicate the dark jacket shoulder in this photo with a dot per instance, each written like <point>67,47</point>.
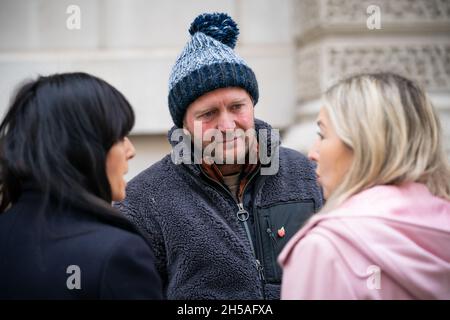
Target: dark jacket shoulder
<point>70,253</point>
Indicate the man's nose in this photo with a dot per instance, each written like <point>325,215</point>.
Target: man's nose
<point>226,122</point>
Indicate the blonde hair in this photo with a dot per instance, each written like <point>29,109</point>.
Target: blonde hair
<point>392,128</point>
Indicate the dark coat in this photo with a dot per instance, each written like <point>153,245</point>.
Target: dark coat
<point>38,247</point>
<point>202,250</point>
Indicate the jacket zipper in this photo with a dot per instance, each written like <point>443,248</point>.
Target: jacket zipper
<point>258,183</point>
<point>243,216</point>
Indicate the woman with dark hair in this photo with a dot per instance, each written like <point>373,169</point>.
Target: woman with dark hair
<point>63,153</point>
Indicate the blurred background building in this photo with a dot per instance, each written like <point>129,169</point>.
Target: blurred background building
<point>297,48</point>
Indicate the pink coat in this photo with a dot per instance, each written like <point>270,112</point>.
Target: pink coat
<point>387,242</point>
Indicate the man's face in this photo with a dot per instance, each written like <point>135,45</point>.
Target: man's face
<point>229,111</point>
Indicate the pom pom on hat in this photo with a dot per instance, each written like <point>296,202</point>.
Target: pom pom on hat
<point>219,26</point>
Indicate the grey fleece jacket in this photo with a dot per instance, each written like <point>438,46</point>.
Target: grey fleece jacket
<point>202,250</point>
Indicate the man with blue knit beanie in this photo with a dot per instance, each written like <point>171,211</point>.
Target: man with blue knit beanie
<point>217,210</point>
<point>208,62</point>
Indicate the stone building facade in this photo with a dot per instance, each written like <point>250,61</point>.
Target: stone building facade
<point>334,39</point>
<point>297,48</point>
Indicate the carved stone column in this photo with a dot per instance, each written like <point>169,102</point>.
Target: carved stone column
<point>333,41</point>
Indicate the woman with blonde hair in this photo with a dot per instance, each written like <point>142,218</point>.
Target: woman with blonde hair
<point>384,232</point>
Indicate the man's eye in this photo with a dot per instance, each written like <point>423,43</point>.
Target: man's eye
<point>236,107</point>
<point>208,114</point>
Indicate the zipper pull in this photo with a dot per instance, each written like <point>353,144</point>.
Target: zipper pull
<point>242,214</point>
<point>260,269</point>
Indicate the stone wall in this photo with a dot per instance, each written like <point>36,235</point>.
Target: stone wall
<point>333,40</point>
<point>297,48</point>
<point>133,44</point>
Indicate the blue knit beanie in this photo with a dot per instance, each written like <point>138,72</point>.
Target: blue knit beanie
<point>208,62</point>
